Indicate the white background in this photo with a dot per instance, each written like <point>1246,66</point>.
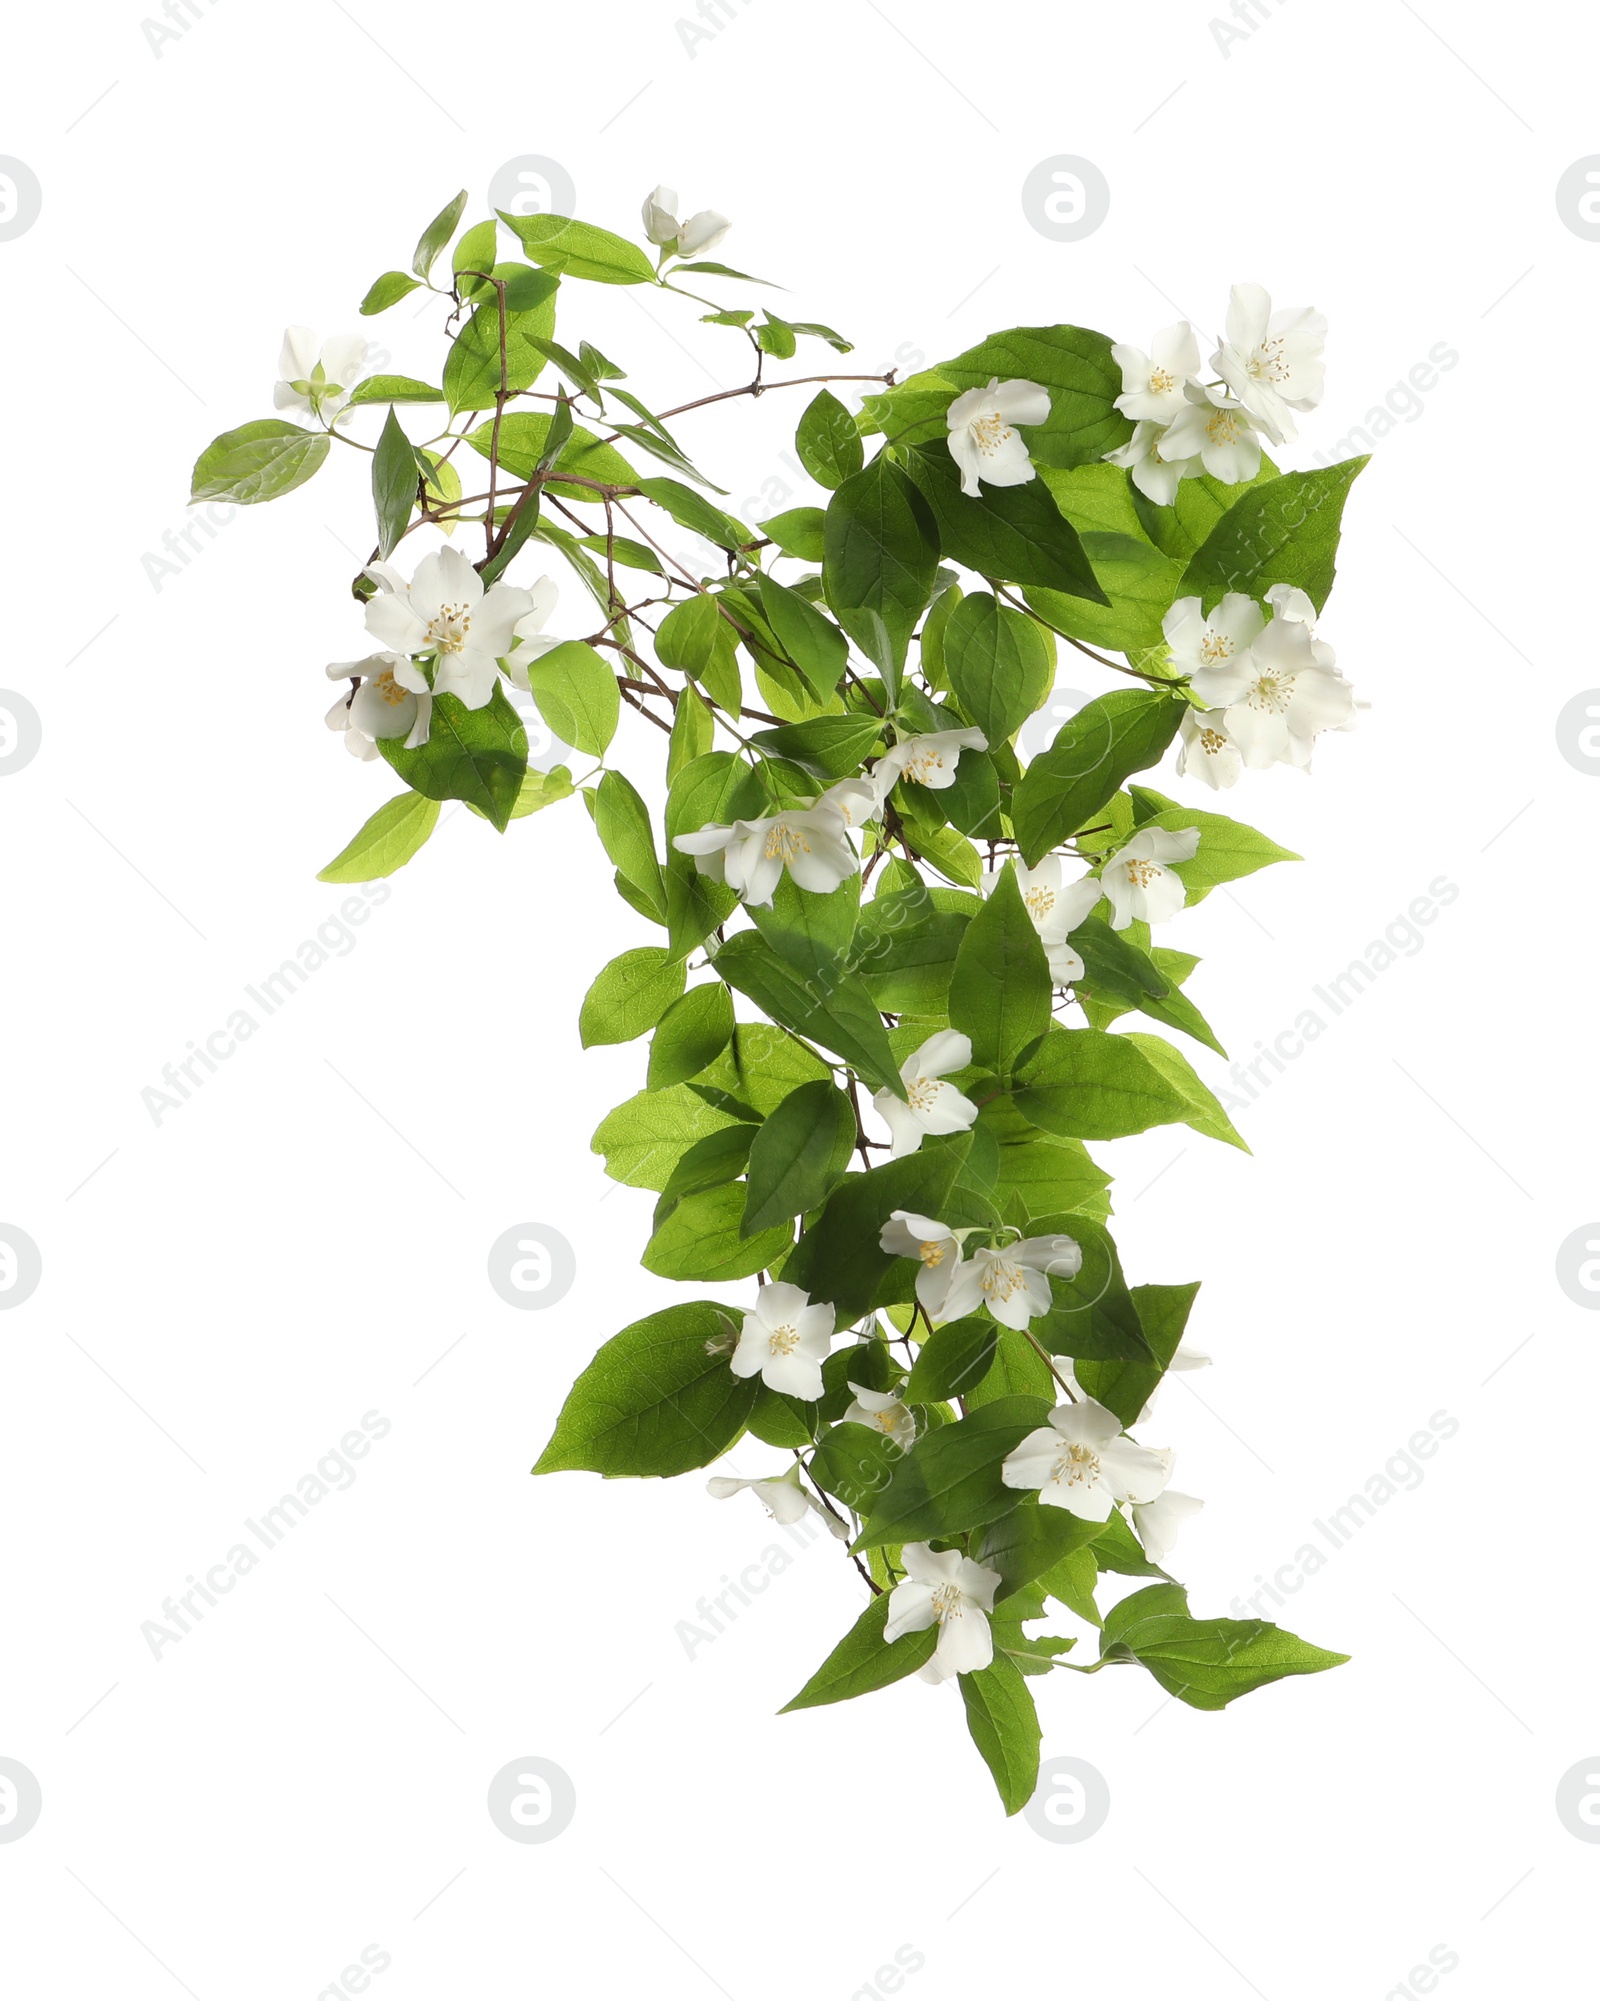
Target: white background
<point>225,1293</point>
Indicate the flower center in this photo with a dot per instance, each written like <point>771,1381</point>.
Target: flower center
<point>1266,363</point>
<point>1162,382</point>
<point>933,1254</point>
<point>886,1420</point>
<point>1076,1466</point>
<point>784,842</point>
<point>389,689</point>
<point>919,769</point>
<point>1142,874</point>
<point>1224,428</point>
<point>1273,693</point>
<point>1040,901</point>
<point>923,1093</point>
<point>1211,741</point>
<point>1000,1279</point>
<point>947,1602</point>
<point>991,432</point>
<point>448,631</point>
<point>783,1340</point>
<point>1215,646</point>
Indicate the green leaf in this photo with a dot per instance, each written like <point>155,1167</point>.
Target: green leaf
<point>702,1239</point>
<point>1086,1083</point>
<point>395,482</point>
<point>1052,1175</point>
<point>711,1162</point>
<point>630,995</point>
<point>1116,1548</point>
<point>1018,1370</point>
<point>775,337</point>
<point>836,746</point>
<point>950,1479</point>
<point>864,1660</point>
<point>525,441</point>
<point>1228,849</point>
<point>881,554</point>
<point>693,511</point>
<point>475,252</point>
<point>1140,585</point>
<point>386,291</point>
<point>622,821</point>
<point>479,755</point>
<point>692,1033</point>
<point>1204,1112</point>
<point>954,1359</point>
<point>257,462</point>
<point>854,1463</point>
<point>1206,1663</point>
<point>828,442</point>
<point>798,1155</point>
<point>472,369</point>
<point>644,1138</point>
<point>579,250</point>
<point>577,694</point>
<point>1092,1315</point>
<point>1094,752</point>
<point>692,733</point>
<point>696,638</point>
<point>437,234</point>
<point>838,1257</point>
<point>1125,1387</point>
<point>1013,533</point>
<point>653,1402</point>
<point>1000,990</point>
<point>387,842</point>
<point>998,663</point>
<point>843,1019</point>
<point>1076,365</point>
<point>813,932</point>
<point>798,532</point>
<point>1029,1542</point>
<point>814,643</point>
<point>1284,531</point>
<point>393,389</point>
<point>1004,1725</point>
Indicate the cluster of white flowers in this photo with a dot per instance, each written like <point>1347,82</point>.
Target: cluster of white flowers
<point>1270,364</point>
<point>1269,684</point>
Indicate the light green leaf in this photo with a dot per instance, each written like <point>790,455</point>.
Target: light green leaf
<point>881,553</point>
<point>386,291</point>
<point>630,995</point>
<point>798,532</point>
<point>999,664</point>
<point>479,755</point>
<point>472,369</point>
<point>828,442</point>
<point>702,1239</point>
<point>692,1033</point>
<point>577,694</point>
<point>393,389</point>
<point>395,484</point>
<point>387,842</point>
<point>814,643</point>
<point>579,250</point>
<point>437,234</point>
<point>525,445</point>
<point>1228,849</point>
<point>257,462</point>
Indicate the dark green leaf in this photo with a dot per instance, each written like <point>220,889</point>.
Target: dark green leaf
<point>855,1463</point>
<point>998,663</point>
<point>1125,1387</point>
<point>881,553</point>
<point>479,755</point>
<point>843,1019</point>
<point>395,484</point>
<point>950,1479</point>
<point>828,442</point>
<point>1284,531</point>
<point>1005,1727</point>
<point>798,1156</point>
<point>1012,533</point>
<point>1000,991</point>
<point>692,1033</point>
<point>864,1660</point>
<point>702,1239</point>
<point>1094,752</point>
<point>1206,1663</point>
<point>840,1253</point>
<point>954,1359</point>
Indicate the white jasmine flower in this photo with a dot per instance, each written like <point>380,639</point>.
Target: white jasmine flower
<point>858,799</point>
<point>1080,1461</point>
<point>1153,383</point>
<point>1155,475</point>
<point>1217,431</point>
<point>381,707</point>
<point>1138,886</point>
<point>445,613</point>
<point>935,1246</point>
<point>1013,1282</point>
<point>529,636</point>
<point>929,760</point>
<point>1056,911</point>
<point>1158,1522</point>
<point>751,855</point>
<point>949,1589</point>
<point>1279,694</point>
<point>1196,642</point>
<point>785,1340</point>
<point>878,1410</point>
<point>693,238</point>
<point>782,1496</point>
<point>1272,361</point>
<point>1207,751</point>
<point>982,441</point>
<point>319,383</point>
<point>929,1106</point>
